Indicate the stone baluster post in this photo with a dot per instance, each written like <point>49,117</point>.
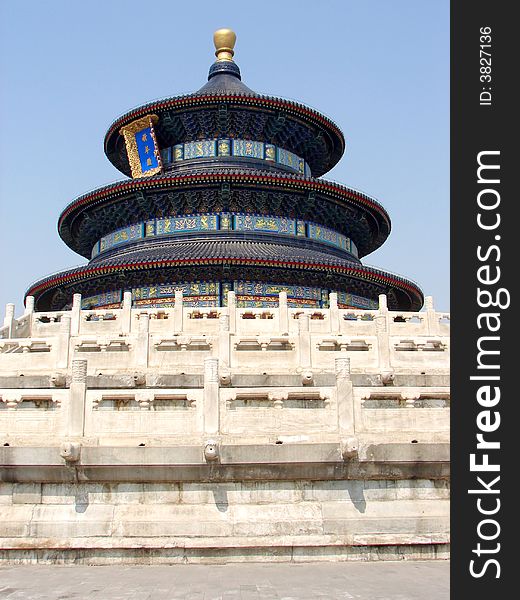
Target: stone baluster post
<point>64,342</point>
<point>334,313</point>
<point>304,341</point>
<point>211,396</point>
<point>29,311</point>
<point>75,315</point>
<point>126,313</point>
<point>345,396</point>
<point>9,319</point>
<point>178,312</point>
<point>143,340</point>
<point>29,305</point>
<point>432,319</point>
<point>77,399</point>
<point>383,338</point>
<point>232,311</point>
<point>283,314</point>
<point>224,341</point>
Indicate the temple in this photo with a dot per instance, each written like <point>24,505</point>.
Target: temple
<point>226,195</point>
<point>224,380</point>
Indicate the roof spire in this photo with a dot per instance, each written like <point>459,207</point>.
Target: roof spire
<point>224,40</point>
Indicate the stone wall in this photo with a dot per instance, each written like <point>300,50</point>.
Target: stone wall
<point>289,520</point>
<point>191,434</point>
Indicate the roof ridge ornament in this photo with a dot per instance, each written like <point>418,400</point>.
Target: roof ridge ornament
<point>224,40</point>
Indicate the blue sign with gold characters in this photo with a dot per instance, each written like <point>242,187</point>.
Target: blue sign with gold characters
<point>141,146</point>
<point>146,149</point>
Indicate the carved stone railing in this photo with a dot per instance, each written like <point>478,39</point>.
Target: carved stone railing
<point>273,339</point>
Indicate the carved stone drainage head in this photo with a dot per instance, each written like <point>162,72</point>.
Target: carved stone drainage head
<point>211,452</point>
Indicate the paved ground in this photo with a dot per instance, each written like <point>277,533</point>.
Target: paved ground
<point>309,581</point>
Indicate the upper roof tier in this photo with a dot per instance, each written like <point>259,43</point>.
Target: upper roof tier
<point>226,108</point>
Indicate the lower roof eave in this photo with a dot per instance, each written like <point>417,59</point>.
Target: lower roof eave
<point>411,294</point>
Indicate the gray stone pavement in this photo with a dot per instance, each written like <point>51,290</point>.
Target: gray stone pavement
<point>306,581</point>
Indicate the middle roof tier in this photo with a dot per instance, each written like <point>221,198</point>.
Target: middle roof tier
<point>100,213</point>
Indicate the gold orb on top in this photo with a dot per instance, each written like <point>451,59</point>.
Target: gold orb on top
<point>224,40</point>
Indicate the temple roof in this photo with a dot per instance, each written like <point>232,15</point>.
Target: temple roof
<point>225,78</point>
<point>226,107</point>
<point>176,255</point>
<point>225,150</point>
<point>207,248</point>
<point>362,218</point>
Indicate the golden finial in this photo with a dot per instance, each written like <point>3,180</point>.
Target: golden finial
<point>224,40</point>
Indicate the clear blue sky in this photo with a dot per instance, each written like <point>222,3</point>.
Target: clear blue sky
<point>379,69</point>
